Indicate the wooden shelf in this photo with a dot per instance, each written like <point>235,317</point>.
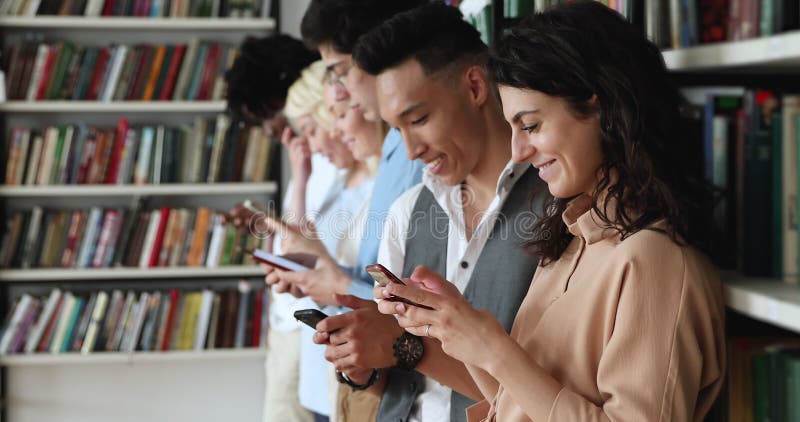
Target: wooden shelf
<point>43,359</point>
<point>170,189</point>
<point>127,22</point>
<point>112,107</point>
<point>773,51</point>
<point>51,275</point>
<point>766,300</point>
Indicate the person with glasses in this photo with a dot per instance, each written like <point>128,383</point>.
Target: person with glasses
<point>333,27</point>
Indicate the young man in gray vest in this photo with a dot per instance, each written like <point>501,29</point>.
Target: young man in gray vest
<point>467,220</point>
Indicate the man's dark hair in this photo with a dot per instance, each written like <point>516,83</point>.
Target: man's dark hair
<point>342,22</point>
<point>436,35</point>
<point>262,73</point>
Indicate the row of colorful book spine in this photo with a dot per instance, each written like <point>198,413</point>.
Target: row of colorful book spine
<point>685,23</point>
<point>138,8</point>
<point>129,321</point>
<point>750,142</point>
<point>63,70</point>
<point>209,150</point>
<point>764,379</point>
<point>113,237</point>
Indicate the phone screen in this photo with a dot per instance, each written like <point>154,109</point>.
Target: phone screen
<point>277,261</point>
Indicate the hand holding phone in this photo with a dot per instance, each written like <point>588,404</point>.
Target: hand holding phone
<point>276,261</point>
<point>383,277</point>
<point>310,317</point>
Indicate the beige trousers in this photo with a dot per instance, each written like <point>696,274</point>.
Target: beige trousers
<point>281,402</point>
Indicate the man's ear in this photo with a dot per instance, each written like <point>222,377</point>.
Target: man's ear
<point>477,84</point>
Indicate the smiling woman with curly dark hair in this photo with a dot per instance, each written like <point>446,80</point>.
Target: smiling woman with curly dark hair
<point>624,319</point>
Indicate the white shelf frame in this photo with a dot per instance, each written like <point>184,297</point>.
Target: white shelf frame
<point>45,359</point>
<point>51,275</point>
<point>167,189</point>
<point>112,107</point>
<point>769,301</point>
<point>757,52</point>
<point>137,23</point>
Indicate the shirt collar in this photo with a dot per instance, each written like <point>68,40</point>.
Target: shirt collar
<point>505,182</point>
<point>583,221</point>
<point>390,143</point>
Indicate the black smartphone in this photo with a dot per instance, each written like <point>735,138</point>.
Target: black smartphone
<point>310,317</point>
<point>383,277</point>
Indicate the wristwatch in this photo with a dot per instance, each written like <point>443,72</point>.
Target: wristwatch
<point>408,349</point>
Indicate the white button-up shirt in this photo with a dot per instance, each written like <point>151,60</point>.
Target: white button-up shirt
<point>433,402</point>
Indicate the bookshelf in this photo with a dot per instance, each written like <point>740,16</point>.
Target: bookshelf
<point>171,189</point>
<point>776,51</point>
<point>132,358</point>
<point>137,23</point>
<point>44,275</point>
<point>765,300</point>
<point>40,386</point>
<point>112,107</point>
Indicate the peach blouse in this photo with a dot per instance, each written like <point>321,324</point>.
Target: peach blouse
<point>632,329</point>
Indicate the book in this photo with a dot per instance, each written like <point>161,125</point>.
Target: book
<point>203,320</point>
<point>82,326</point>
<point>146,342</point>
<point>74,238</point>
<point>109,326</point>
<point>141,171</point>
<point>120,141</point>
<point>158,240</point>
<point>72,319</point>
<point>65,317</point>
<point>213,326</point>
<point>165,332</point>
<point>115,341</point>
<point>28,319</point>
<point>98,314</point>
<point>93,227</point>
<point>789,159</point>
<point>241,314</point>
<point>134,329</point>
<point>25,301</point>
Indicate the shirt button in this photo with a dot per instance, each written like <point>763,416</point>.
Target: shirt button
<point>464,264</point>
<point>511,175</point>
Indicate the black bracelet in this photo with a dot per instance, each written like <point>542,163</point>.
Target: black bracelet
<point>342,378</point>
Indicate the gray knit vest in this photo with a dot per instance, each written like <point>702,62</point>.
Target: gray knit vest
<point>499,282</point>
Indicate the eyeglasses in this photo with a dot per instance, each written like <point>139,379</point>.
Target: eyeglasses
<point>337,71</point>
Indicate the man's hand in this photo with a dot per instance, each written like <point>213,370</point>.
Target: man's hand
<point>362,338</point>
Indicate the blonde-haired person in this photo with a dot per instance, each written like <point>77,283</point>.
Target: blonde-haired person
<point>365,140</point>
<point>313,184</point>
<point>334,222</point>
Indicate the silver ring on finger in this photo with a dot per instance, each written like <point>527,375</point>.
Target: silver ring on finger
<point>428,330</point>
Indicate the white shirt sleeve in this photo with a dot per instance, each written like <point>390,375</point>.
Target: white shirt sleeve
<point>392,251</point>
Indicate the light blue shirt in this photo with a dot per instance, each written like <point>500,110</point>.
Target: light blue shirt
<point>333,222</point>
<point>396,174</point>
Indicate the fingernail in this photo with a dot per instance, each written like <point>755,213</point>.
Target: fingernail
<point>385,293</point>
<point>400,308</point>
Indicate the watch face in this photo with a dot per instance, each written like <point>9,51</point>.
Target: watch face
<point>411,350</point>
